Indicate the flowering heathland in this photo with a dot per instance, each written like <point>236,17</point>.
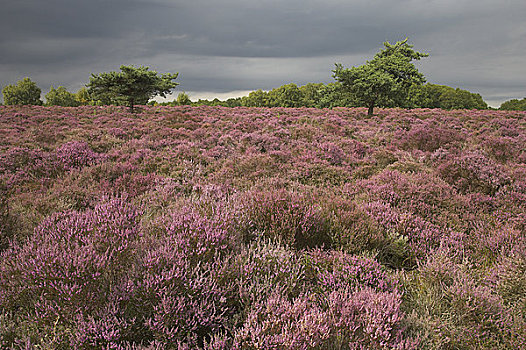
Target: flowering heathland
<point>262,228</point>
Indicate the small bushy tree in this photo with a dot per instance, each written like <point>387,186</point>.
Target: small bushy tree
<point>386,79</point>
<point>183,99</point>
<point>131,86</point>
<point>25,92</point>
<point>82,97</point>
<point>61,97</point>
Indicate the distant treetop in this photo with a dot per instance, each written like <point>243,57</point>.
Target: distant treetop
<point>131,86</point>
<point>384,80</point>
<point>25,92</point>
<point>514,105</point>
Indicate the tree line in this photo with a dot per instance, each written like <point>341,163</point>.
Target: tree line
<point>390,79</point>
<point>319,95</point>
<point>311,95</point>
<point>130,87</point>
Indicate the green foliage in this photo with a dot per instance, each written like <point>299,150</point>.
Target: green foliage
<point>61,97</point>
<point>312,95</point>
<point>336,95</point>
<point>183,99</point>
<point>82,96</point>
<point>427,96</point>
<point>258,98</point>
<point>25,92</point>
<point>131,86</point>
<point>288,95</point>
<point>445,97</point>
<point>386,79</point>
<point>461,99</point>
<point>514,105</point>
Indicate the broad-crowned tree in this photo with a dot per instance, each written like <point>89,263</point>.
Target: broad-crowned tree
<point>25,92</point>
<point>131,86</point>
<point>386,79</point>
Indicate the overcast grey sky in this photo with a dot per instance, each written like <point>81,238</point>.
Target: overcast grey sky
<point>227,48</point>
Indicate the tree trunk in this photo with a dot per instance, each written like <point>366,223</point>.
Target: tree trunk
<point>371,107</point>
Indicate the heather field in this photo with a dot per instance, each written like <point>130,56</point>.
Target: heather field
<point>262,228</point>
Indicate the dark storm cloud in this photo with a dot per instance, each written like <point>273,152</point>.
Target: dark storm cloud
<point>221,46</point>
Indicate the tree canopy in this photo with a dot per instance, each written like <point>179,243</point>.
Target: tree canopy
<point>61,97</point>
<point>131,86</point>
<point>183,99</point>
<point>384,80</point>
<point>445,97</point>
<point>25,92</point>
<point>514,105</point>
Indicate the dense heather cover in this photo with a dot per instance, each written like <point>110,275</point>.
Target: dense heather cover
<point>249,228</point>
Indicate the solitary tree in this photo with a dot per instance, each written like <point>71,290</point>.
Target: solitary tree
<point>25,92</point>
<point>386,79</point>
<point>131,86</point>
<point>183,99</point>
<point>61,97</point>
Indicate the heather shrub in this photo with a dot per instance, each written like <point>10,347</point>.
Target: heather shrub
<point>454,311</point>
<point>348,319</point>
<point>70,193</point>
<point>489,240</point>
<point>25,165</point>
<point>474,172</point>
<point>262,267</point>
<point>364,172</point>
<point>332,153</point>
<point>407,166</point>
<point>198,237</point>
<point>288,217</point>
<point>5,221</point>
<point>319,174</point>
<point>384,158</point>
<point>188,305</point>
<point>502,149</point>
<point>244,228</point>
<point>475,317</point>
<point>509,280</point>
<point>181,280</point>
<point>276,322</point>
<point>368,319</point>
<point>428,136</point>
<point>420,193</point>
<point>72,266</point>
<point>338,270</point>
<point>407,237</point>
<point>76,154</point>
<point>351,228</point>
<point>249,169</point>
